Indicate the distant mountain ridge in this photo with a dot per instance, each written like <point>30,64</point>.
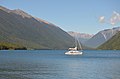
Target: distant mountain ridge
<point>20,28</point>
<point>83,37</point>
<point>101,37</point>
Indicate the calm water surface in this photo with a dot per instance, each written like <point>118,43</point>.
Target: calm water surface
<point>54,64</point>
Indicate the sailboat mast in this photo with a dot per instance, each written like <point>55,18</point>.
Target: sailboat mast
<point>75,40</point>
<point>79,44</point>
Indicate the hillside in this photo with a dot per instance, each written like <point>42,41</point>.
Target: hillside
<point>112,44</point>
<point>101,37</point>
<point>11,46</point>
<point>19,28</point>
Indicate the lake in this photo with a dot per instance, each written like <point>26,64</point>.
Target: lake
<point>54,64</point>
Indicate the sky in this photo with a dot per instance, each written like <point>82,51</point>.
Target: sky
<point>70,15</point>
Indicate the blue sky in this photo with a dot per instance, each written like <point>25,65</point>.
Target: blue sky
<point>70,15</point>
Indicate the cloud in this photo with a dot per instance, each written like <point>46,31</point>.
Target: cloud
<point>102,19</point>
<point>115,18</point>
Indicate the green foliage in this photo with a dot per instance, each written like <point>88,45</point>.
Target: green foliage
<point>10,46</point>
<point>112,44</point>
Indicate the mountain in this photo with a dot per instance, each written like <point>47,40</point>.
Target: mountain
<point>21,29</point>
<point>101,37</point>
<point>112,44</point>
<point>83,37</point>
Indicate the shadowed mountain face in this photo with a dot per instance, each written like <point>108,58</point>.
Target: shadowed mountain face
<point>101,37</point>
<point>112,44</point>
<point>20,28</point>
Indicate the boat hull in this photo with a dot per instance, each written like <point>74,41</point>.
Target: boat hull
<point>74,53</point>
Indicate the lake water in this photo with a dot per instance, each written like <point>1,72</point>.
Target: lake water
<point>54,64</point>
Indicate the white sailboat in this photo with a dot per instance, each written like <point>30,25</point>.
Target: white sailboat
<point>74,51</point>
